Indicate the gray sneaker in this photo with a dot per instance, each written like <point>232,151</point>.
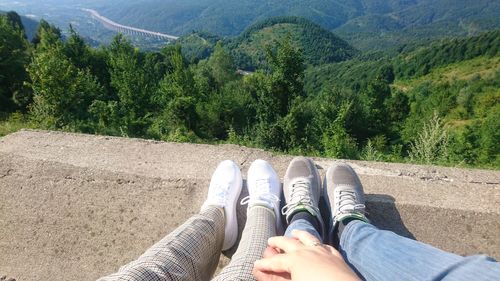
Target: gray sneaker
<point>302,190</point>
<point>343,194</point>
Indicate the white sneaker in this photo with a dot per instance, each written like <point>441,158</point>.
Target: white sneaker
<point>224,191</point>
<point>264,188</point>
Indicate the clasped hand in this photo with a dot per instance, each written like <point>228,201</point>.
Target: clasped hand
<point>301,258</point>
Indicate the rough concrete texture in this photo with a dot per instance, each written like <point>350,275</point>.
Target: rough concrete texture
<point>76,207</point>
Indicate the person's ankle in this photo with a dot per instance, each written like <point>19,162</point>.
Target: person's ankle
<point>306,215</point>
<point>341,224</point>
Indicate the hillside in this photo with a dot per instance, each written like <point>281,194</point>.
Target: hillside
<point>426,20</point>
<point>349,109</point>
<point>366,24</point>
<point>197,45</point>
<point>457,79</point>
<point>318,45</point>
<point>467,95</point>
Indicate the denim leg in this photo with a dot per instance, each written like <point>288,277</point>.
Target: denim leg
<point>383,255</point>
<point>302,224</point>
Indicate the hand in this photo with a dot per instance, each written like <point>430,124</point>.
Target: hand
<point>301,259</point>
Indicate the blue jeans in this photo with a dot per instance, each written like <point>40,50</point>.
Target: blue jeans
<point>383,255</point>
<point>302,225</point>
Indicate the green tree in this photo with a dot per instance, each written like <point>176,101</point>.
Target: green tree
<point>431,144</point>
<point>77,51</point>
<point>287,74</point>
<point>15,20</point>
<point>177,96</point>
<point>131,85</point>
<point>46,35</point>
<point>374,99</point>
<point>222,66</point>
<point>336,140</point>
<point>489,152</point>
<point>14,55</point>
<point>275,94</point>
<point>62,93</point>
<point>228,109</point>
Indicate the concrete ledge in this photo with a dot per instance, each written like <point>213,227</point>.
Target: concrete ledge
<point>81,205</point>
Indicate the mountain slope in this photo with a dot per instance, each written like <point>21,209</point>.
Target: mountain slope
<point>426,20</point>
<point>368,24</point>
<point>456,79</point>
<point>197,45</point>
<point>319,45</point>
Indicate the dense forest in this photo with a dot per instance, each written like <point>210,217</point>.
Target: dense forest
<point>248,50</point>
<point>367,24</point>
<point>318,45</point>
<point>434,104</point>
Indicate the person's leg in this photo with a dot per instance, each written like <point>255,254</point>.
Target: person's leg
<point>303,221</point>
<point>262,220</point>
<point>191,252</point>
<point>260,226</point>
<point>302,193</point>
<point>383,255</point>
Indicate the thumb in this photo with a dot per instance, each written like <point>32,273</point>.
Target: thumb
<point>277,263</point>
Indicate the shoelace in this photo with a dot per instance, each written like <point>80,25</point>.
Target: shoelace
<point>222,192</point>
<point>299,195</point>
<point>347,203</point>
<point>262,194</point>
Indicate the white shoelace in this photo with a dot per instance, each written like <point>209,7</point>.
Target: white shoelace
<point>262,194</point>
<point>347,203</point>
<point>300,194</point>
<point>222,192</point>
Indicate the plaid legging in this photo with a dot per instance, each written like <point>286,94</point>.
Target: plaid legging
<point>191,252</point>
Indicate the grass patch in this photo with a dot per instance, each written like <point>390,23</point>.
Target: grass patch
<point>11,123</point>
<point>484,68</point>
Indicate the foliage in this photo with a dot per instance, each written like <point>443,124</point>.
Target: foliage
<point>368,107</point>
<point>130,84</point>
<point>198,45</point>
<point>62,92</point>
<point>28,25</point>
<point>431,144</point>
<point>318,45</point>
<point>421,61</point>
<point>420,22</point>
<point>337,143</point>
<point>14,55</point>
<point>13,122</point>
<point>46,35</point>
<point>366,24</point>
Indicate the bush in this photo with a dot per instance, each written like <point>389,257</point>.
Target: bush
<point>431,144</point>
<point>13,123</point>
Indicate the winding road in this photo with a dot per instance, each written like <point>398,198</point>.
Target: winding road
<point>111,25</point>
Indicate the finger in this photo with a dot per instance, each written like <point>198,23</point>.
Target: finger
<point>270,252</point>
<point>305,237</point>
<point>334,251</point>
<point>271,276</point>
<point>284,243</point>
<point>261,276</point>
<point>278,263</point>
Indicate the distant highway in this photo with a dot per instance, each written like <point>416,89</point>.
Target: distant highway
<point>109,24</point>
